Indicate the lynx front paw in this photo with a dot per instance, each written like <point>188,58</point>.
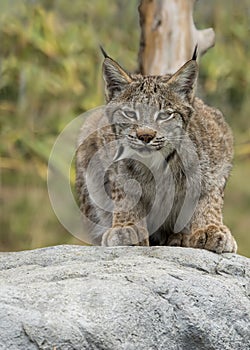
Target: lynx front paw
<point>215,238</point>
<point>125,236</point>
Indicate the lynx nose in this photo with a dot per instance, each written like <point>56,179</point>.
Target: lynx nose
<point>145,134</point>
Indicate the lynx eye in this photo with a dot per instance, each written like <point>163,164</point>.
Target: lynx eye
<point>129,114</point>
<point>123,125</point>
<point>165,116</point>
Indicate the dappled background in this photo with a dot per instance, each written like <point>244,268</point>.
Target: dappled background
<point>51,72</point>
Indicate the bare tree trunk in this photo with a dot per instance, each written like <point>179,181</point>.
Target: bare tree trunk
<point>168,35</point>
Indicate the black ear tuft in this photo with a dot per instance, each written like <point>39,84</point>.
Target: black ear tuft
<point>184,80</point>
<point>195,54</point>
<point>115,77</point>
<point>104,52</point>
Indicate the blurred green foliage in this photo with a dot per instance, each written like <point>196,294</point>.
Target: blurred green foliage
<point>51,72</point>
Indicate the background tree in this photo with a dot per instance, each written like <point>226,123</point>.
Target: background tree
<point>169,36</point>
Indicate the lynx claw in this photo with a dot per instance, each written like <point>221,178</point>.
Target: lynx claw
<point>215,238</point>
<point>125,236</point>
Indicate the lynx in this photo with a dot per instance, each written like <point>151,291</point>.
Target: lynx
<point>152,164</point>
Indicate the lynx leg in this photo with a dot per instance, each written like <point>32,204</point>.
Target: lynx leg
<point>126,236</point>
<point>217,238</point>
<point>128,229</point>
<point>207,228</point>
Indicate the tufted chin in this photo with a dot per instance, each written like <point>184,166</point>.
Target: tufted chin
<point>147,156</point>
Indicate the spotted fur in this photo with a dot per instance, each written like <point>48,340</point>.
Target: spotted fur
<point>154,132</point>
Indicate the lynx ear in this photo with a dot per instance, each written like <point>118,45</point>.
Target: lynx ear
<point>183,82</point>
<point>115,77</point>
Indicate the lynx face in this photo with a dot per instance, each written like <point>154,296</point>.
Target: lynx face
<point>148,114</point>
<point>147,129</point>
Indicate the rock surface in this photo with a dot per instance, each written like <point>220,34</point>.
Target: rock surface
<point>157,298</point>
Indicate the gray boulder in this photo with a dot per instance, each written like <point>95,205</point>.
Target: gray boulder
<point>157,298</point>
